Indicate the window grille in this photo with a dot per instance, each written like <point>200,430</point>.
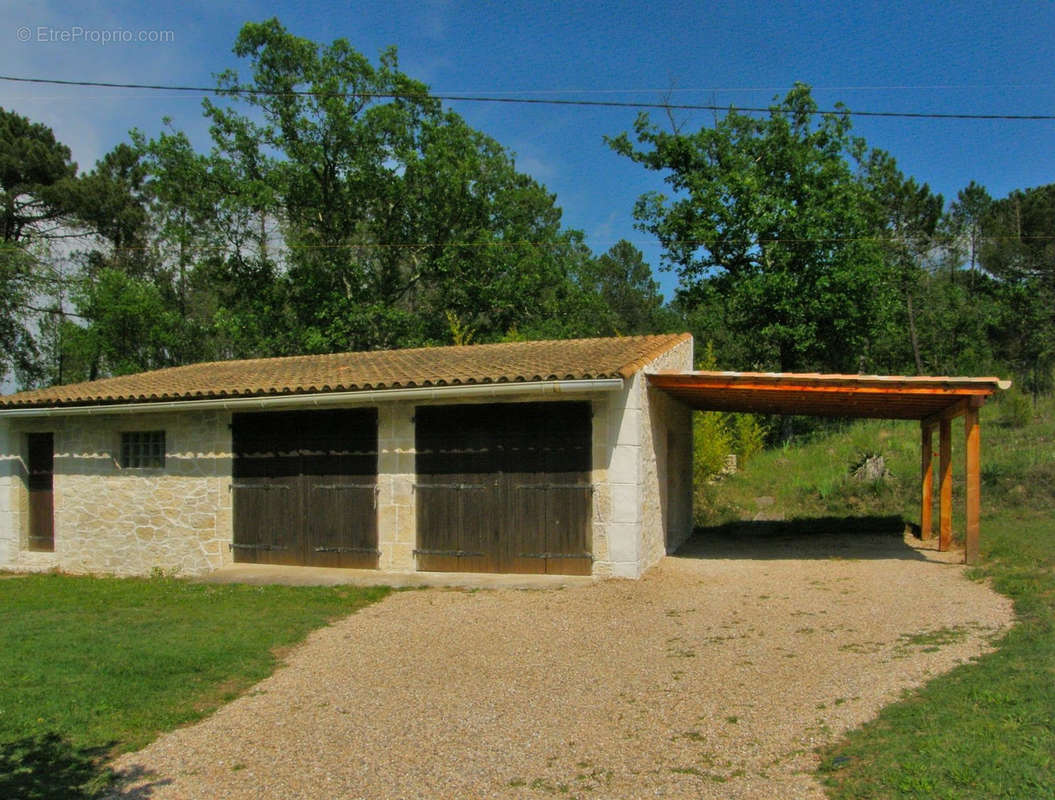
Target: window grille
<point>141,449</point>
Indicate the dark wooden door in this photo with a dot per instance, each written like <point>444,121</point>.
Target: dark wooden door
<point>459,502</point>
<point>305,488</point>
<point>267,500</point>
<point>504,488</point>
<point>41,480</point>
<point>339,475</point>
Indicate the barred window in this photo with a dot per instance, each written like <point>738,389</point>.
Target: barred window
<point>142,449</point>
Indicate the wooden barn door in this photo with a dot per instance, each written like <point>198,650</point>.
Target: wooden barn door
<point>304,488</point>
<point>549,494</point>
<point>459,502</point>
<point>504,488</point>
<point>339,474</point>
<point>41,479</point>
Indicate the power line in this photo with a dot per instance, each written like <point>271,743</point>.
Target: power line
<point>465,98</point>
<point>749,89</point>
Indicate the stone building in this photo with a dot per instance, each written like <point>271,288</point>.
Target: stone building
<point>555,457</point>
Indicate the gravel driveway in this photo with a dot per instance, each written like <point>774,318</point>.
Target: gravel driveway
<point>714,676</point>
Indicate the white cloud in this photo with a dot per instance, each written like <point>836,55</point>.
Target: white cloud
<point>70,43</point>
<point>535,165</point>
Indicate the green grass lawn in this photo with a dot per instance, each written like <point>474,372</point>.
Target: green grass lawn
<point>987,729</point>
<point>91,667</point>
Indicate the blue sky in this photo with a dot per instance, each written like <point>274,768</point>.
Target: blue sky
<point>979,57</point>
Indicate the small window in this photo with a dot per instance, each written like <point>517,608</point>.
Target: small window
<point>142,449</point>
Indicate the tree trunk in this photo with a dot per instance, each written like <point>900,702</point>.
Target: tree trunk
<point>263,236</point>
<point>912,334</point>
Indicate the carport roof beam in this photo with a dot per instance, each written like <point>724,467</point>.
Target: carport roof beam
<point>826,395</point>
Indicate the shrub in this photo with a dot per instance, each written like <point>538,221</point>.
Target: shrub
<point>1016,410</point>
<point>749,434</point>
<point>712,442</point>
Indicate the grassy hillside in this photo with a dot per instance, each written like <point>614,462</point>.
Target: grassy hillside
<point>812,477</point>
<point>987,729</point>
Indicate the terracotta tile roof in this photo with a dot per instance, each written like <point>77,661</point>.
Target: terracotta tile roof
<point>571,359</point>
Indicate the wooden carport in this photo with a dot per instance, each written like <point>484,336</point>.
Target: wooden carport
<point>934,401</point>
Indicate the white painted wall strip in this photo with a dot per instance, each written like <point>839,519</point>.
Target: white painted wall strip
<point>495,391</point>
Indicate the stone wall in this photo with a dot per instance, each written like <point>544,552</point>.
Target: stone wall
<point>129,521</point>
<point>10,480</point>
<point>643,493</point>
<point>397,520</point>
<point>666,463</point>
<point>617,482</point>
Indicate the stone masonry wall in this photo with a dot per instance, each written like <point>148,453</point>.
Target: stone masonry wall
<point>638,517</point>
<point>396,509</point>
<point>129,521</point>
<point>666,463</point>
<point>617,482</point>
<point>10,479</point>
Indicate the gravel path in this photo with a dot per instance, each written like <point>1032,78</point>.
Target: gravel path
<point>714,676</point>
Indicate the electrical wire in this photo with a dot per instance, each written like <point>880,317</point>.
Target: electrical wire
<point>465,98</point>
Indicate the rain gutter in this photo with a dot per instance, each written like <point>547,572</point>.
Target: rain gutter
<point>495,391</point>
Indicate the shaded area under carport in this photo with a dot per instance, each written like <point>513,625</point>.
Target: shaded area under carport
<point>934,401</point>
<point>872,537</point>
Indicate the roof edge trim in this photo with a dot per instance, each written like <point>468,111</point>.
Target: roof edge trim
<point>672,341</point>
<point>326,399</point>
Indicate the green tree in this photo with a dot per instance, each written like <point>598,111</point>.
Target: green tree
<point>111,206</point>
<point>958,314</point>
<point>217,220</point>
<point>493,237</point>
<point>36,175</point>
<point>771,221</point>
<point>133,327</point>
<point>906,217</point>
<point>113,203</point>
<point>1019,252</point>
<point>114,309</point>
<point>965,224</point>
<point>629,300</point>
<point>392,212</point>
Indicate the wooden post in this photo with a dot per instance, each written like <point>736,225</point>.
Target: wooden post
<point>926,512</point>
<point>973,484</point>
<point>945,485</point>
